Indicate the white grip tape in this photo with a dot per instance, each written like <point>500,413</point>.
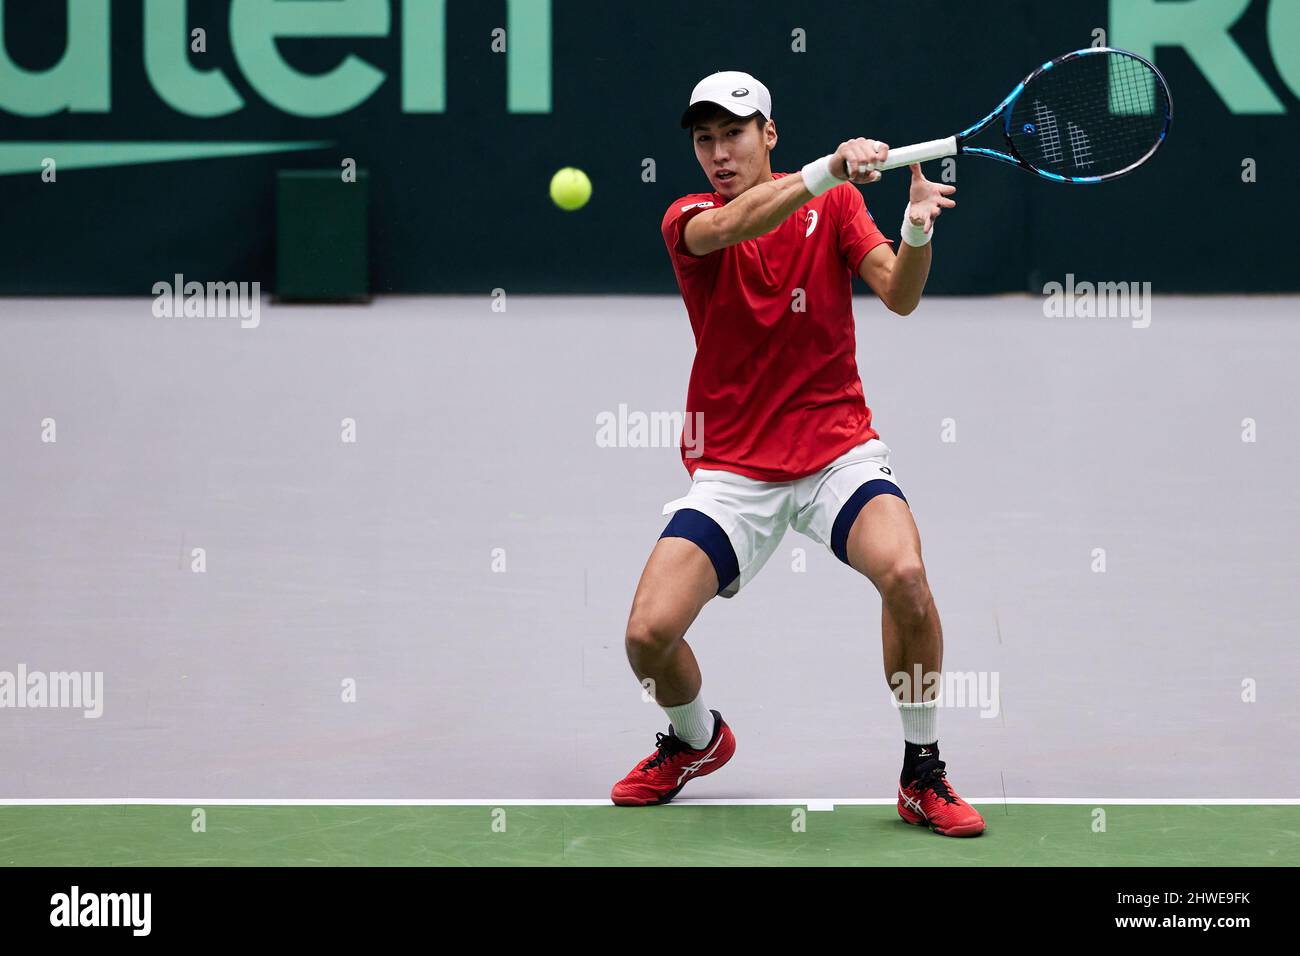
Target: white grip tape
<point>919,153</point>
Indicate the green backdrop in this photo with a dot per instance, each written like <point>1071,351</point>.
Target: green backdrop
<point>460,139</point>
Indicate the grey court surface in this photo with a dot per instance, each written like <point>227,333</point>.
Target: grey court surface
<point>374,561</point>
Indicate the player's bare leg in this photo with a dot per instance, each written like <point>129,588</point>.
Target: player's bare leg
<point>678,580</point>
<point>885,546</point>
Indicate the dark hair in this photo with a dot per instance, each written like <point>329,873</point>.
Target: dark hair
<point>712,112</point>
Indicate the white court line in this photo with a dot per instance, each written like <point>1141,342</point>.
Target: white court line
<point>815,803</point>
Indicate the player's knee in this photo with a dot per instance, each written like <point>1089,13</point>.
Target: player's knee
<point>905,588</point>
<point>649,636</point>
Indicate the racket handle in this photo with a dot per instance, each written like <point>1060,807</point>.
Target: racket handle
<point>920,153</point>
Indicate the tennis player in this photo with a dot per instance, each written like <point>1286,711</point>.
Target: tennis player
<point>765,263</point>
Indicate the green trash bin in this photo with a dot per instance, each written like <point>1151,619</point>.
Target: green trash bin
<point>322,236</point>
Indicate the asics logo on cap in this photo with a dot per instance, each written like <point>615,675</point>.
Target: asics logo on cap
<point>734,90</point>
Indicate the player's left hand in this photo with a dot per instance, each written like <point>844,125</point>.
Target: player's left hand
<point>926,199</point>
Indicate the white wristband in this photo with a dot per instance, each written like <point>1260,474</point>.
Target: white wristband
<point>913,234</point>
<point>817,176</point>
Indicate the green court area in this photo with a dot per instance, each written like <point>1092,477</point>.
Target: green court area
<point>1017,835</point>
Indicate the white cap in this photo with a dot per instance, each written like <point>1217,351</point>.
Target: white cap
<point>734,91</point>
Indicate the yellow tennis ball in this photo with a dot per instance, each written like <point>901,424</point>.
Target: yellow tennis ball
<point>570,189</point>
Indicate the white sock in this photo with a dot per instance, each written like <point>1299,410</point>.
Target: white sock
<point>920,722</point>
<point>692,722</point>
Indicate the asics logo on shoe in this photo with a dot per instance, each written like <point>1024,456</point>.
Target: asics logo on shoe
<point>694,767</point>
<point>912,804</point>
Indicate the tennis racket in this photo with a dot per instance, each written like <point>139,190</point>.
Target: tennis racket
<point>1086,117</point>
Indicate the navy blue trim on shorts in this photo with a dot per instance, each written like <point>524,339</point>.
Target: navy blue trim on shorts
<point>699,528</point>
<point>849,513</point>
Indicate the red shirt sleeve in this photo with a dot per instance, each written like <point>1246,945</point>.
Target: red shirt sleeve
<point>674,229</point>
<point>858,233</point>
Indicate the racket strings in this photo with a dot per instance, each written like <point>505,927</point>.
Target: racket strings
<point>1095,115</point>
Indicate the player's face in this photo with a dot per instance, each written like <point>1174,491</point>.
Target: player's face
<point>733,153</point>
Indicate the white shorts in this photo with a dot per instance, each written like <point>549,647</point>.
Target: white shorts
<point>753,515</point>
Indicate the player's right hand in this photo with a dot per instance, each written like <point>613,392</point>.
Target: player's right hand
<point>854,158</point>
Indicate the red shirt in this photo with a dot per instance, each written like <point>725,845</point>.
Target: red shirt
<point>778,389</point>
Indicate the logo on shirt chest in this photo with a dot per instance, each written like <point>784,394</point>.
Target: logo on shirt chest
<point>812,222</point>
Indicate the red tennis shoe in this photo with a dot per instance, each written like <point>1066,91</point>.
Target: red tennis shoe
<point>930,801</point>
<point>659,777</point>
